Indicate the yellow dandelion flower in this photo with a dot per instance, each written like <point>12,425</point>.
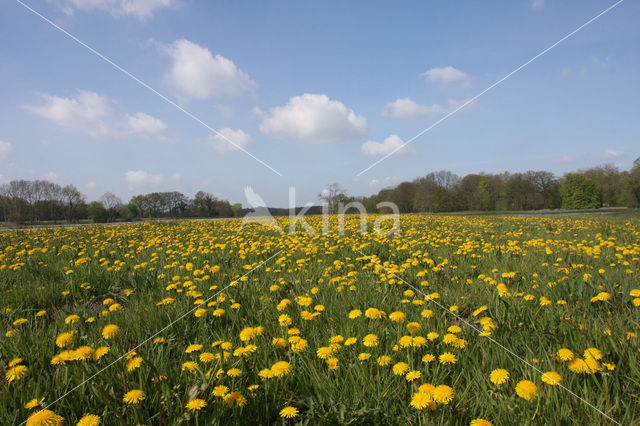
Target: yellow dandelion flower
<point>44,418</point>
<point>196,404</point>
<point>110,331</point>
<point>551,378</point>
<point>15,373</point>
<point>289,412</point>
<point>442,394</point>
<point>370,340</point>
<point>400,368</point>
<point>281,369</point>
<point>89,420</point>
<point>133,397</point>
<point>421,401</point>
<point>413,375</point>
<point>499,376</point>
<point>526,390</point>
<point>447,358</point>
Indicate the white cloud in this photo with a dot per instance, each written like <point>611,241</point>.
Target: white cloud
<point>313,118</point>
<point>612,154</point>
<point>390,144</point>
<point>86,112</point>
<point>387,181</point>
<point>406,108</point>
<point>220,142</point>
<point>145,125</point>
<point>91,186</point>
<point>140,179</point>
<point>196,73</point>
<point>141,9</point>
<point>446,75</point>
<point>90,113</point>
<point>50,176</point>
<point>5,149</point>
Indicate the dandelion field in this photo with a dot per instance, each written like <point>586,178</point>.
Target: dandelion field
<point>322,329</point>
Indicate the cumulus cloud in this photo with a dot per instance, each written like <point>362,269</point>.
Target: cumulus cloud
<point>198,74</point>
<point>447,75</point>
<point>220,142</point>
<point>313,118</point>
<point>90,113</point>
<point>5,149</point>
<point>140,179</point>
<point>386,181</point>
<point>612,154</point>
<point>407,108</point>
<point>141,9</point>
<point>389,145</point>
<point>146,125</point>
<point>86,112</point>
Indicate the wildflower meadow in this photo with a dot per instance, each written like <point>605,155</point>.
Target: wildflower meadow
<point>460,320</point>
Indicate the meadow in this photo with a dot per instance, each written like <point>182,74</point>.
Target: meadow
<point>451,320</point>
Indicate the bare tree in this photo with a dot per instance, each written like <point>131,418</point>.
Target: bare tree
<point>332,195</point>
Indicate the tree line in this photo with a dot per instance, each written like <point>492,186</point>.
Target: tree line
<point>444,191</point>
<point>24,201</point>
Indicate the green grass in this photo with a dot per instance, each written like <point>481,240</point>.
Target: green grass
<point>332,270</point>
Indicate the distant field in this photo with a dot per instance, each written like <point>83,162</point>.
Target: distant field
<point>419,327</point>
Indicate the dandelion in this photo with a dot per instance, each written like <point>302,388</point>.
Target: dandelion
<point>370,340</point>
<point>189,366</point>
<point>133,397</point>
<point>281,369</point>
<point>447,358</point>
<point>14,362</point>
<point>134,363</point>
<point>234,372</point>
<point>428,358</point>
<point>332,363</point>
<point>355,313</point>
<point>289,412</point>
<point>413,375</point>
<point>480,422</point>
<point>413,327</point>
<point>397,317</point>
<point>33,403</point>
<point>196,404</point>
<point>324,352</point>
<point>192,348</point>
<point>400,368</point>
<point>421,401</point>
<point>526,390</point>
<point>565,355</point>
<point>15,373</point>
<point>499,376</point>
<point>44,418</point>
<point>384,360</point>
<point>110,331</point>
<point>592,353</point>
<point>442,394</point>
<point>89,420</point>
<point>551,378</point>
<point>220,391</point>
<point>100,352</point>
<point>64,339</point>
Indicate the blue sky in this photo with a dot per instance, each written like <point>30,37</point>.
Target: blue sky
<point>317,91</point>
